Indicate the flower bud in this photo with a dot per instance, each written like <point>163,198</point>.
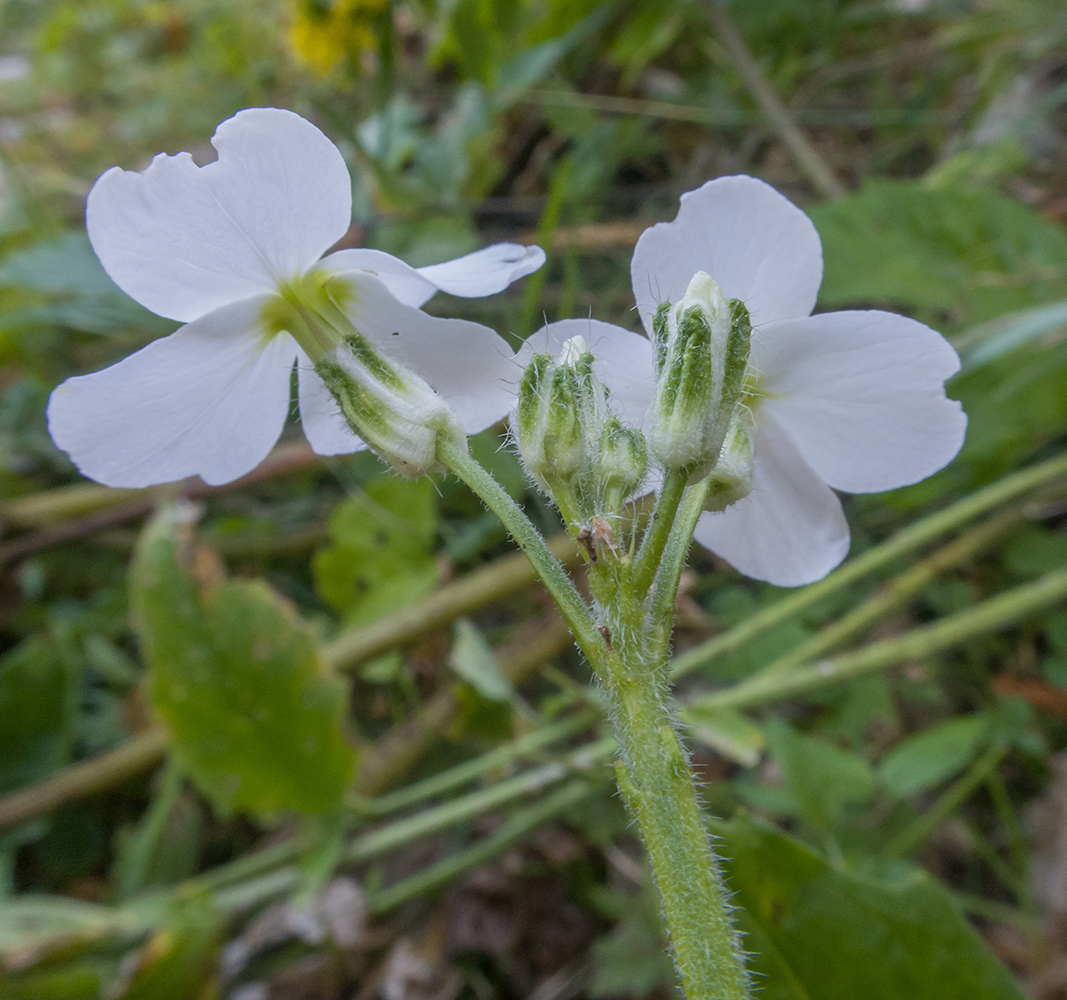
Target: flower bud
<point>560,413</point>
<point>731,479</point>
<point>392,409</point>
<point>701,348</point>
<point>620,464</point>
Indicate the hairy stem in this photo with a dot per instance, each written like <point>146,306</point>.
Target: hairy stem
<point>570,603</point>
<point>655,780</point>
<point>658,531</point>
<point>660,620</point>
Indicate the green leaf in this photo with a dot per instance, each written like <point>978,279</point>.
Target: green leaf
<point>381,554</point>
<point>821,933</point>
<point>972,254</point>
<point>472,658</point>
<point>255,716</point>
<point>62,283</point>
<point>927,759</point>
<point>824,779</point>
<point>38,704</point>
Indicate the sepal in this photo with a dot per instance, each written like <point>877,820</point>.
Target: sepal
<point>701,346</point>
<point>396,412</point>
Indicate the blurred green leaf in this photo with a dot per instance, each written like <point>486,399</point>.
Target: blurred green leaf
<point>991,340</point>
<point>62,283</point>
<point>926,759</point>
<point>726,732</point>
<point>472,658</point>
<point>971,254</point>
<point>31,921</point>
<point>822,933</point>
<point>38,705</point>
<point>179,961</point>
<point>1034,551</point>
<point>255,716</point>
<point>632,960</point>
<point>381,552</point>
<point>824,779</point>
<point>164,846</point>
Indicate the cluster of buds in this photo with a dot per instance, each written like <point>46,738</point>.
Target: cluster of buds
<point>581,455</point>
<point>589,462</point>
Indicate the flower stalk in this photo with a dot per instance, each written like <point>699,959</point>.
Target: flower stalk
<point>628,651</point>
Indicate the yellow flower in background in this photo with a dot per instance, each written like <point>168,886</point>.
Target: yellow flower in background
<point>324,32</point>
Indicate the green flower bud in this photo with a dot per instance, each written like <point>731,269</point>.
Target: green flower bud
<point>561,410</point>
<point>731,479</point>
<point>620,465</point>
<point>392,409</point>
<point>701,347</point>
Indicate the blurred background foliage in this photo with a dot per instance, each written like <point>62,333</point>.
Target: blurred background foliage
<point>376,768</point>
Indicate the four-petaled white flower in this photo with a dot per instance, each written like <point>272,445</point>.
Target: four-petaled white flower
<point>219,248</point>
<point>852,401</point>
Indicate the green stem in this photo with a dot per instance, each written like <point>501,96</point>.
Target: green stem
<point>655,780</point>
<point>513,829</point>
<point>957,793</point>
<point>571,605</point>
<point>79,781</point>
<point>900,544</point>
<point>658,530</point>
<point>653,768</point>
<point>471,770</point>
<point>660,620</point>
<point>996,613</point>
<point>896,593</point>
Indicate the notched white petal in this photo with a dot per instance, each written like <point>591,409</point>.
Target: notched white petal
<point>183,240</point>
<point>209,400</point>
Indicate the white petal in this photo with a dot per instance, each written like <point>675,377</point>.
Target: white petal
<point>404,281</point>
<point>753,241</point>
<point>209,400</point>
<point>862,394</point>
<point>325,428</point>
<point>183,240</point>
<point>790,530</point>
<point>484,272</point>
<point>623,361</point>
<point>467,363</point>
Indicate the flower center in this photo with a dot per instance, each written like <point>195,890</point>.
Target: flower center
<point>311,309</point>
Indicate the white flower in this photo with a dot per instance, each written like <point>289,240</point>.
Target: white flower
<point>223,248</point>
<point>852,401</point>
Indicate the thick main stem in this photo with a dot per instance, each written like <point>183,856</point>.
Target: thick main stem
<point>656,782</point>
